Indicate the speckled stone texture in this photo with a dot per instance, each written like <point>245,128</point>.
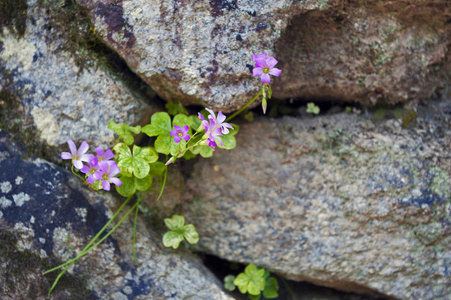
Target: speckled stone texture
<point>201,51</point>
<point>53,217</point>
<point>53,94</point>
<point>354,202</point>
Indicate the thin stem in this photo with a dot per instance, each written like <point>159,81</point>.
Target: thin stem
<point>93,240</point>
<point>244,107</point>
<point>72,261</point>
<point>164,183</point>
<point>73,172</point>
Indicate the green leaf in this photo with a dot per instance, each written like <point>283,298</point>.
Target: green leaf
<point>228,283</point>
<point>176,222</point>
<point>123,130</point>
<point>143,184</point>
<point>172,239</point>
<point>160,123</point>
<point>251,281</point>
<point>189,155</point>
<point>229,142</point>
<point>190,234</point>
<point>195,122</point>
<point>235,129</point>
<point>175,107</point>
<point>156,168</point>
<point>206,151</point>
<point>136,163</point>
<point>131,184</point>
<point>271,288</point>
<point>163,144</point>
<point>181,120</point>
<point>122,151</point>
<point>127,188</point>
<point>312,108</point>
<point>254,297</point>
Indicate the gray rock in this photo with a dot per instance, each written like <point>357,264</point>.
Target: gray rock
<point>50,217</point>
<point>55,90</point>
<point>201,52</point>
<point>348,201</point>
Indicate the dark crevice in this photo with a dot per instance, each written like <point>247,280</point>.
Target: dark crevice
<point>288,289</point>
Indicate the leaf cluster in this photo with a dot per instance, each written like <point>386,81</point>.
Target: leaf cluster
<point>254,281</point>
<point>179,232</point>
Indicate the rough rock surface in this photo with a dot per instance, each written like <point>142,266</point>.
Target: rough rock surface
<point>52,217</point>
<point>348,201</point>
<point>200,51</point>
<point>44,86</point>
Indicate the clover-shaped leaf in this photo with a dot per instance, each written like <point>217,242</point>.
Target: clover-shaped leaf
<point>228,283</point>
<point>157,168</point>
<point>161,126</point>
<point>229,139</point>
<point>175,107</point>
<point>179,232</point>
<point>123,130</point>
<point>251,281</point>
<point>271,288</point>
<point>131,184</point>
<point>136,164</point>
<point>312,108</point>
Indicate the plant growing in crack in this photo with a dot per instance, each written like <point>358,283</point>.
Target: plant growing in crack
<point>131,169</point>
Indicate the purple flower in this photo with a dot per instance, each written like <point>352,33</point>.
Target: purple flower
<point>106,173</point>
<point>219,121</point>
<point>212,136</point>
<point>104,155</point>
<point>93,167</point>
<point>77,156</point>
<point>264,67</point>
<point>180,133</point>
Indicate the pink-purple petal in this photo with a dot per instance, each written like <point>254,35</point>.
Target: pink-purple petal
<point>200,116</point>
<point>106,185</point>
<point>177,139</point>
<point>265,78</point>
<point>271,62</point>
<point>103,167</point>
<point>66,155</point>
<point>185,129</point>
<point>275,72</point>
<point>178,128</point>
<point>114,170</point>
<point>98,175</point>
<point>173,132</point>
<point>84,147</point>
<point>185,137</point>
<point>90,179</point>
<point>221,118</point>
<point>255,57</point>
<point>109,154</point>
<point>72,147</point>
<point>86,157</point>
<point>257,71</point>
<point>116,181</point>
<point>260,63</point>
<point>85,169</point>
<point>99,151</point>
<point>78,164</point>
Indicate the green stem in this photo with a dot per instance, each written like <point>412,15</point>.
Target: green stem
<point>244,107</point>
<point>93,240</point>
<point>72,261</point>
<point>164,183</point>
<point>73,172</point>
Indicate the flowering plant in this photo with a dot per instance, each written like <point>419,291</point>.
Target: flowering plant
<point>132,168</point>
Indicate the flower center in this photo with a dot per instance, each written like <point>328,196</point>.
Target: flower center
<point>92,171</point>
<point>180,134</point>
<point>105,176</point>
<point>266,70</point>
